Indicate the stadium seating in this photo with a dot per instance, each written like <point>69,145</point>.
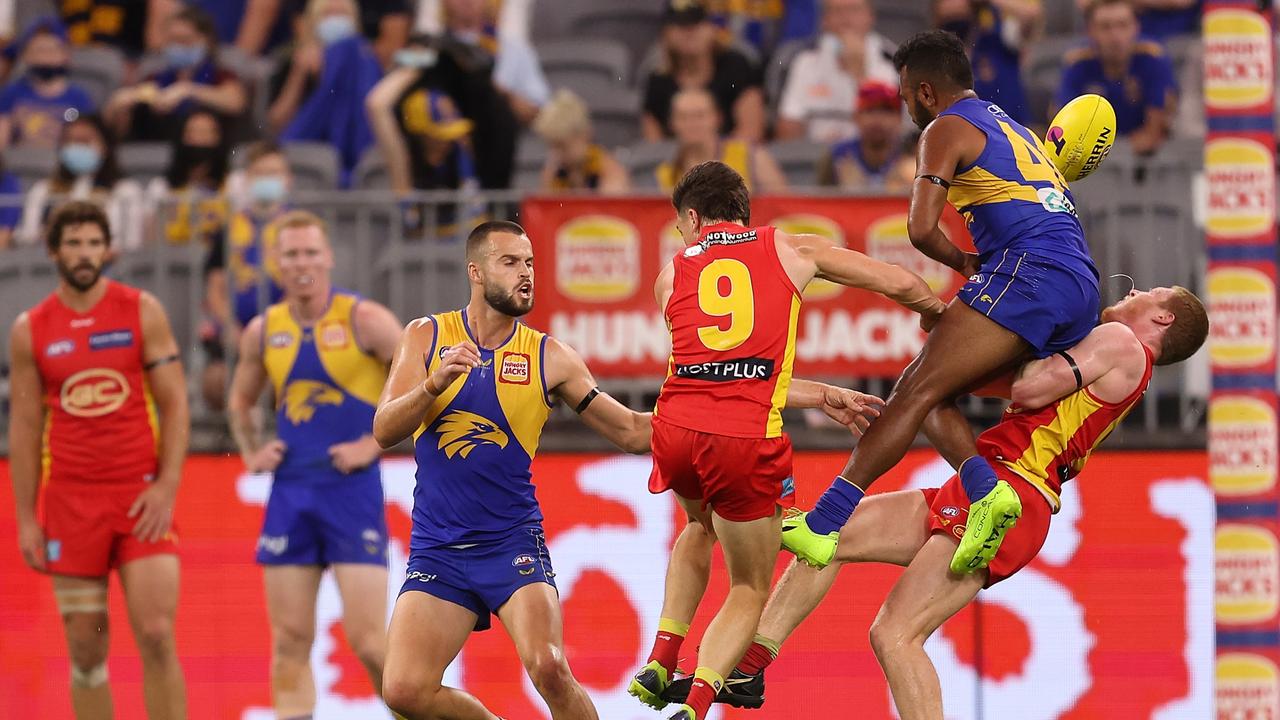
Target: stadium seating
<point>98,69</point>
<point>144,161</point>
<point>315,165</point>
<point>530,157</point>
<point>635,27</point>
<point>566,61</point>
<point>30,164</point>
<point>799,160</point>
<point>642,161</point>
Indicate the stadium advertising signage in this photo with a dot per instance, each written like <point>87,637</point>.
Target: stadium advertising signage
<point>606,254</point>
<point>1114,619</point>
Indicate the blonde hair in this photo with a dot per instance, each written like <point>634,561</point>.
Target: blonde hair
<point>564,116</point>
<point>301,219</point>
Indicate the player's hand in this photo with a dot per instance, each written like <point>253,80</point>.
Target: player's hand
<point>348,457</point>
<point>972,265</point>
<point>454,363</point>
<point>154,510</point>
<point>266,458</point>
<point>930,316</point>
<point>855,410</point>
<point>31,543</point>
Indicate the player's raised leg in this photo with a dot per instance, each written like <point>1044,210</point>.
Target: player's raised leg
<point>291,608</point>
<point>151,594</point>
<point>923,598</point>
<point>532,618</point>
<point>426,634</point>
<point>364,614</point>
<point>83,605</point>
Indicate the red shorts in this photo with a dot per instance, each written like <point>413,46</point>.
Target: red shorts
<point>88,531</point>
<point>949,511</point>
<point>742,479</point>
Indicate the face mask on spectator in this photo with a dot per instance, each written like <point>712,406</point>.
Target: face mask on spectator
<point>831,44</point>
<point>195,155</point>
<point>415,58</point>
<point>80,158</point>
<point>267,189</point>
<point>45,73</point>
<point>335,28</point>
<point>182,57</point>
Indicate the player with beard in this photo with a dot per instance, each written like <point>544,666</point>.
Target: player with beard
<point>95,369</point>
<point>474,388</point>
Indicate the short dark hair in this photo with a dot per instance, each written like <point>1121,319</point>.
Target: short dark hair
<point>203,24</point>
<point>1095,5</point>
<point>716,191</point>
<point>480,235</point>
<point>1189,329</point>
<point>261,149</point>
<point>936,56</point>
<point>76,212</point>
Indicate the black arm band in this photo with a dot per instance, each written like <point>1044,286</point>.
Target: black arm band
<point>1074,368</point>
<point>587,400</point>
<point>935,180</point>
<point>161,361</point>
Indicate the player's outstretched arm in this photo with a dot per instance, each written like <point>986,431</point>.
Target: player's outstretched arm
<point>855,410</point>
<point>247,383</point>
<point>26,423</point>
<point>1110,361</point>
<point>410,391</point>
<point>154,506</point>
<point>945,144</point>
<point>569,379</point>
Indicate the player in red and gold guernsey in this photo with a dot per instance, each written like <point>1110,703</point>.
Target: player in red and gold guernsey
<point>1064,406</point>
<point>98,430</point>
<point>731,299</point>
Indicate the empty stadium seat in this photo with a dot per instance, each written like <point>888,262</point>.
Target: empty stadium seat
<point>615,113</point>
<point>30,164</point>
<point>26,276</point>
<point>315,165</point>
<point>1042,74</point>
<point>175,275</point>
<point>898,20</point>
<point>371,171</point>
<point>799,160</point>
<point>632,26</point>
<point>530,158</point>
<point>98,69</point>
<point>565,61</point>
<point>642,161</point>
<point>144,161</point>
<point>775,73</point>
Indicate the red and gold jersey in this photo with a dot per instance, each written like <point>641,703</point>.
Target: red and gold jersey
<point>1050,445</point>
<point>100,423</point>
<point>732,315</point>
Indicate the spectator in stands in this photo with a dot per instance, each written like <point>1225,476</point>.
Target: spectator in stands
<point>334,110</point>
<point>693,55</point>
<point>1135,75</point>
<point>469,27</point>
<point>33,107</point>
<point>386,24</point>
<point>86,169</point>
<point>867,163</point>
<point>10,206</point>
<point>237,286</point>
<point>131,26</point>
<point>822,85</point>
<point>1163,19</point>
<point>696,121</point>
<point>192,194</point>
<point>254,27</point>
<point>764,26</point>
<point>574,162</point>
<point>150,109</point>
<point>996,33</point>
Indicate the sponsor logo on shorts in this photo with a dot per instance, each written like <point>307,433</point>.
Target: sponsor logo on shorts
<point>421,577</point>
<point>597,259</point>
<point>958,531</point>
<point>59,347</point>
<point>333,335</point>
<point>788,487</point>
<point>1237,59</point>
<point>950,511</point>
<point>111,339</point>
<point>372,541</point>
<point>53,550</point>
<point>94,393</point>
<point>728,370</point>
<point>1242,445</point>
<point>523,564</point>
<point>280,340</point>
<point>1246,574</point>
<point>1248,686</point>
<point>515,368</point>
<point>273,544</point>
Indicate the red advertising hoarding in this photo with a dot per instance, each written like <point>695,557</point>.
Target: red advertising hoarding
<point>1113,620</point>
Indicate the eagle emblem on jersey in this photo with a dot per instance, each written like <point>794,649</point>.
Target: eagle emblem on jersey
<point>302,397</point>
<point>461,431</point>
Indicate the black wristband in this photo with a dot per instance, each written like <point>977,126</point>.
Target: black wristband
<point>935,180</point>
<point>161,361</point>
<point>1074,368</point>
<point>587,400</point>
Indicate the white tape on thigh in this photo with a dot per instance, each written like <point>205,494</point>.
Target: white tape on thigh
<point>81,600</point>
<point>92,678</point>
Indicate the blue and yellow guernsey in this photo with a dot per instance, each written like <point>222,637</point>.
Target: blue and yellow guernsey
<point>478,439</point>
<point>1013,197</point>
<point>326,388</point>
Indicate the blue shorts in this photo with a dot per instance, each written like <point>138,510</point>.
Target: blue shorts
<point>326,523</point>
<point>1051,304</point>
<point>482,577</point>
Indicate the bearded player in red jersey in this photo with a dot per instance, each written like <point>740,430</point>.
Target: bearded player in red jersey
<point>91,368</point>
<point>1064,406</point>
<point>731,300</point>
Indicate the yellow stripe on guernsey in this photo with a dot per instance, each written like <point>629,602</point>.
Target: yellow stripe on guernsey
<point>352,370</point>
<point>779,399</point>
<point>512,375</point>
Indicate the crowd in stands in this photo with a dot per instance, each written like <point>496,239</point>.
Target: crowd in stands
<point>440,94</point>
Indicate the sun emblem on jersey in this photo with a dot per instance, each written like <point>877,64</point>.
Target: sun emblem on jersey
<point>461,431</point>
<point>303,397</point>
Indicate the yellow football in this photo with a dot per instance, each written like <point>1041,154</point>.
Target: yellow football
<point>1081,135</point>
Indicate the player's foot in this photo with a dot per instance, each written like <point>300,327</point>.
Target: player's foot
<point>740,690</point>
<point>648,685</point>
<point>989,519</point>
<point>807,545</point>
<point>684,713</point>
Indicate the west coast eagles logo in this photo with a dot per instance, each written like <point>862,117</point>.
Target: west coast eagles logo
<point>303,397</point>
<point>461,431</point>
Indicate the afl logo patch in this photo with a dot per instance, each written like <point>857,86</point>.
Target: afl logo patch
<point>515,369</point>
<point>280,340</point>
<point>93,393</point>
<point>59,347</point>
<point>333,335</point>
<point>950,511</point>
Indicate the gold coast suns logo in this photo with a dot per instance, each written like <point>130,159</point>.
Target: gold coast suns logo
<point>94,393</point>
<point>302,397</point>
<point>461,431</point>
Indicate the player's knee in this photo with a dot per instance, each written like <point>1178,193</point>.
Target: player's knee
<point>87,640</point>
<point>291,643</point>
<point>408,696</point>
<point>155,639</point>
<point>549,671</point>
<point>888,637</point>
<point>369,647</point>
